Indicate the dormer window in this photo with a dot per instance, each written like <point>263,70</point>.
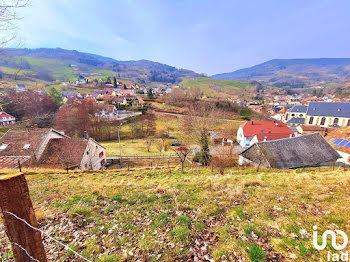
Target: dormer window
<point>3,146</point>
<point>26,146</point>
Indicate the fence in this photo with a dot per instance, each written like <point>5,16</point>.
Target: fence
<point>21,224</point>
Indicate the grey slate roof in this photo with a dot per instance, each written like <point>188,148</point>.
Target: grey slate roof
<point>69,93</point>
<point>296,120</point>
<point>340,109</point>
<point>307,150</point>
<point>297,109</point>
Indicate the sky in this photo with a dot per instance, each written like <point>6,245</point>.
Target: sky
<point>207,36</point>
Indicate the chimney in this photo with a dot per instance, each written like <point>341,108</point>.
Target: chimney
<point>252,122</point>
<point>85,135</point>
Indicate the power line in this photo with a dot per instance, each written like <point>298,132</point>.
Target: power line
<point>57,241</point>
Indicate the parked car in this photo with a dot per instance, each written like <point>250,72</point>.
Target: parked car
<point>171,137</point>
<point>176,144</point>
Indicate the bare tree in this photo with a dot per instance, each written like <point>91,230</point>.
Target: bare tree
<point>160,146</point>
<point>199,121</point>
<point>8,18</point>
<point>149,141</point>
<point>182,153</point>
<point>224,158</point>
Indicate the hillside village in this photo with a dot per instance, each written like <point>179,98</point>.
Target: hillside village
<point>112,103</point>
<point>185,131</point>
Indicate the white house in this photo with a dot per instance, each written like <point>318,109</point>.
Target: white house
<point>6,119</point>
<point>257,131</point>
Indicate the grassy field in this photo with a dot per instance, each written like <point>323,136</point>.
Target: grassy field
<point>217,88</point>
<point>164,215</point>
<point>135,147</point>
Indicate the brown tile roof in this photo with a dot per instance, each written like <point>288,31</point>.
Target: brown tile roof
<point>344,133</point>
<point>62,151</point>
<point>16,139</point>
<point>11,162</point>
<point>308,128</point>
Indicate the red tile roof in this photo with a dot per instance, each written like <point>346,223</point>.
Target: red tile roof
<point>266,128</point>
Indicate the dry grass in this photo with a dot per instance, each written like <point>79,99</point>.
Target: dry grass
<point>157,214</point>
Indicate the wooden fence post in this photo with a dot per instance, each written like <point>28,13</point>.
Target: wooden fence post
<point>15,199</point>
<point>19,165</point>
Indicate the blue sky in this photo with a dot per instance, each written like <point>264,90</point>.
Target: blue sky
<point>203,35</point>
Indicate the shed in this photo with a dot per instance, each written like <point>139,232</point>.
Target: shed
<point>302,151</point>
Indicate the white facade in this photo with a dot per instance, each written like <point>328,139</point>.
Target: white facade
<point>326,121</point>
<point>94,157</point>
<point>241,139</point>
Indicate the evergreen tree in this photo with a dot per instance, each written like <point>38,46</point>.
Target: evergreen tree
<point>204,143</point>
<point>150,93</point>
<point>115,85</point>
<point>125,86</point>
<point>55,96</point>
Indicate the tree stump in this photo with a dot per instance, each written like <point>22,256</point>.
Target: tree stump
<point>15,198</point>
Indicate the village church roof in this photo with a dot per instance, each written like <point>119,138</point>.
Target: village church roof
<point>302,151</point>
<point>340,109</point>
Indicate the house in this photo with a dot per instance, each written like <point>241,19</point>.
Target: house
<point>6,119</point>
<point>36,146</point>
<point>221,139</point>
<point>279,115</point>
<point>328,114</point>
<point>21,88</point>
<point>107,112</point>
<point>302,151</point>
<point>256,131</point>
<point>297,111</point>
<point>296,121</point>
<point>340,140</point>
<point>67,94</point>
<point>305,129</point>
<point>85,154</point>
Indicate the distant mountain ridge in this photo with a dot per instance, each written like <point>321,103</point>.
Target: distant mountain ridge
<point>294,72</point>
<point>50,62</point>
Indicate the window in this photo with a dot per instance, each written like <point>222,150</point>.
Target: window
<point>3,146</point>
<point>311,120</point>
<point>293,114</point>
<point>335,122</point>
<point>301,115</point>
<point>323,121</point>
<point>286,116</point>
<point>101,154</point>
<point>348,123</point>
<point>26,146</point>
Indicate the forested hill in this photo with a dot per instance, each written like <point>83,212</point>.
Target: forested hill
<point>295,72</point>
<point>51,64</point>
